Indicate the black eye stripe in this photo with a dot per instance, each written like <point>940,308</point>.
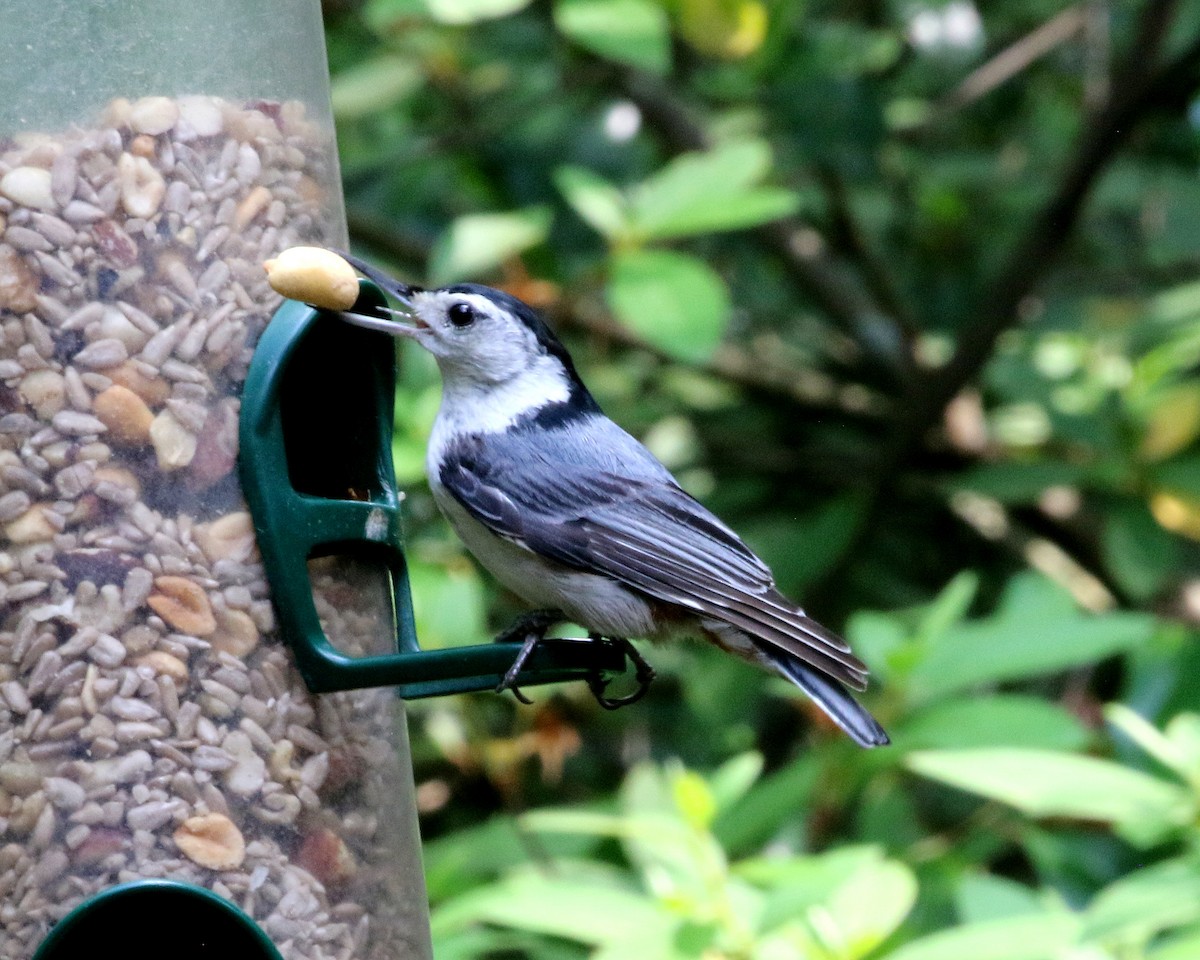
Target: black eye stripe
<point>461,314</point>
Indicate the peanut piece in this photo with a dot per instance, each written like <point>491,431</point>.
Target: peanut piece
<point>165,663</point>
<point>183,604</point>
<point>230,537</point>
<point>211,840</point>
<point>31,526</point>
<point>174,444</point>
<point>18,284</point>
<point>154,390</point>
<point>236,633</point>
<point>313,275</point>
<point>325,855</point>
<point>125,414</point>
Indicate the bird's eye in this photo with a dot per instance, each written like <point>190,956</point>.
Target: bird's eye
<point>461,314</point>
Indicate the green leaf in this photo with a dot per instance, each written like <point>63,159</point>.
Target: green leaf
<point>374,85</point>
<point>1139,552</point>
<point>661,943</point>
<point>1034,937</point>
<point>661,827</point>
<point>1177,748</point>
<point>723,28</point>
<point>1036,630</point>
<point>671,300</point>
<point>1180,475</point>
<point>1183,730</point>
<point>888,887</point>
<point>984,896</point>
<point>479,242</point>
<point>467,858</point>
<point>477,942</point>
<point>888,642</point>
<point>796,884</point>
<point>1017,482</point>
<point>1142,904</point>
<point>579,902</point>
<point>597,201</point>
<point>710,191</point>
<point>555,820</point>
<point>416,409</point>
<point>1176,307</point>
<point>671,845</point>
<point>694,798</point>
<point>801,551</point>
<point>635,32</point>
<point>732,780</point>
<point>1003,720</point>
<point>735,212</point>
<point>1185,946</point>
<point>1172,421</point>
<point>1048,783</point>
<point>878,638</point>
<point>770,803</point>
<point>949,607</point>
<point>384,15</point>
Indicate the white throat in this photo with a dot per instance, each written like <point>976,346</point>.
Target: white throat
<point>469,407</point>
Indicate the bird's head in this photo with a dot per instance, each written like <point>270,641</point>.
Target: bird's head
<point>478,335</point>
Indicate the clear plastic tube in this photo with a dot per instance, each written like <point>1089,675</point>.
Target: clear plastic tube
<point>152,155</point>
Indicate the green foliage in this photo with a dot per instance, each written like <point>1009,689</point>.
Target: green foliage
<point>672,300</point>
<point>1050,783</point>
<point>477,243</point>
<point>1036,629</point>
<point>674,893</point>
<point>628,31</point>
<point>927,336</point>
<point>384,13</point>
<point>684,865</point>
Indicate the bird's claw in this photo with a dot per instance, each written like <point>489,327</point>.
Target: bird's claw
<point>532,629</point>
<point>643,673</point>
<point>516,692</point>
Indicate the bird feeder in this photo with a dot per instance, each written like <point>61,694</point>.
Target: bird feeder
<point>171,782</point>
<point>202,753</point>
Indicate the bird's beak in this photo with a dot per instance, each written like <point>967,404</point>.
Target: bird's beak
<point>401,291</point>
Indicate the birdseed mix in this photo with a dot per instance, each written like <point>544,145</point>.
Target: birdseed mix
<point>151,721</point>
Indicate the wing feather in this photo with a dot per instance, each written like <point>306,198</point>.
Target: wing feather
<point>638,527</point>
<point>704,591</point>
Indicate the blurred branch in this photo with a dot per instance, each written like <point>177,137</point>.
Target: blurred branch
<point>1046,551</point>
<point>876,272</point>
<point>1143,92</point>
<point>1139,90</point>
<point>751,369</point>
<point>1010,61</point>
<point>1097,56</point>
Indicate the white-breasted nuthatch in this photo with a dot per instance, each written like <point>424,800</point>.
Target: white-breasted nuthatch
<point>575,516</point>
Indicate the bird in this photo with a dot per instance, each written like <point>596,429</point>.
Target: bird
<point>577,518</point>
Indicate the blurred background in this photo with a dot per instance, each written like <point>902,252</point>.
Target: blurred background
<point>908,293</point>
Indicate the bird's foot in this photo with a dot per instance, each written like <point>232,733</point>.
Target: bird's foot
<point>531,629</point>
<point>643,673</point>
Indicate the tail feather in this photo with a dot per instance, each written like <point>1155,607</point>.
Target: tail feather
<point>831,697</point>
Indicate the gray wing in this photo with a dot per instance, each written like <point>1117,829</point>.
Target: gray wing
<point>589,496</point>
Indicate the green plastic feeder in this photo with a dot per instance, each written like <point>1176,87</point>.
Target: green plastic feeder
<point>150,919</point>
<point>316,468</point>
